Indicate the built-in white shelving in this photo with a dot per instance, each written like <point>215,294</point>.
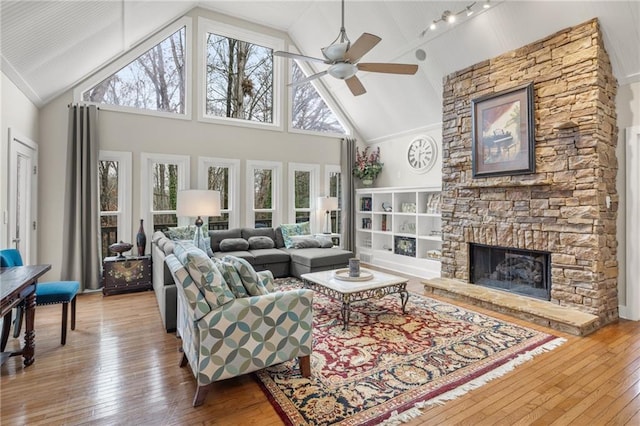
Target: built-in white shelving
<point>400,229</point>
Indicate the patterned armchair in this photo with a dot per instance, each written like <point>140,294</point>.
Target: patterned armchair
<point>226,331</point>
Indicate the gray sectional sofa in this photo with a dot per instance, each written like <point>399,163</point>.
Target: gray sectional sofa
<point>263,248</point>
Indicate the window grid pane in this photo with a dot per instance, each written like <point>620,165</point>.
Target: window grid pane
<point>263,189</point>
<point>165,187</point>
<point>302,187</point>
<point>218,180</point>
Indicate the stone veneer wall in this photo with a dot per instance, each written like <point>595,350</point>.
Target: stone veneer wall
<point>562,207</point>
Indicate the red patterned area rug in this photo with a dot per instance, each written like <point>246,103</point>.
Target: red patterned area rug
<point>388,365</point>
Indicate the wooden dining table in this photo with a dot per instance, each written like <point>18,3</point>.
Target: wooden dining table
<point>18,285</point>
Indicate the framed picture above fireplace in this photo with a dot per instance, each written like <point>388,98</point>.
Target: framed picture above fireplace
<point>502,137</point>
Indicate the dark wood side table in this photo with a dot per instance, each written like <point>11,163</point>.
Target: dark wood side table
<point>126,274</point>
<point>18,284</point>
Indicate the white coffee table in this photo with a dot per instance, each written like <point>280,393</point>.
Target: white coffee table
<point>380,285</point>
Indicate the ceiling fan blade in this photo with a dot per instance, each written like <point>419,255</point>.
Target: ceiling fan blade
<point>388,68</point>
<point>297,56</point>
<point>307,79</point>
<point>355,85</point>
<point>362,45</point>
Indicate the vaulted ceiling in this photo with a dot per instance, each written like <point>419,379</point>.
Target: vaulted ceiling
<point>49,46</point>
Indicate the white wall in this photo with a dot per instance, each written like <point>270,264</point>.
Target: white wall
<point>628,109</point>
<point>393,153</point>
<point>21,115</point>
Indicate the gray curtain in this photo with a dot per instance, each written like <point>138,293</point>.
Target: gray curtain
<point>347,159</point>
<point>81,227</point>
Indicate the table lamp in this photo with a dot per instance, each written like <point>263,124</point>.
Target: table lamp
<point>197,203</point>
<point>327,204</point>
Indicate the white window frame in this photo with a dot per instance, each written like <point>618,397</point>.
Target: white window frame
<point>134,53</point>
<point>226,30</point>
<point>314,175</point>
<point>276,179</point>
<point>204,163</point>
<point>125,162</point>
<point>328,169</point>
<point>323,92</point>
<point>146,183</point>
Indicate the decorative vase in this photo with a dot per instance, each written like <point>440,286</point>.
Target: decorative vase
<point>367,182</point>
<point>141,240</point>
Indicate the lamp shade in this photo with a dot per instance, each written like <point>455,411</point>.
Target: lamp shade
<point>198,202</point>
<point>327,203</point>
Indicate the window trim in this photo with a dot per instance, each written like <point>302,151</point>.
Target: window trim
<point>129,56</point>
<point>314,171</point>
<point>276,167</point>
<point>125,168</point>
<point>205,26</point>
<point>234,184</point>
<point>146,168</point>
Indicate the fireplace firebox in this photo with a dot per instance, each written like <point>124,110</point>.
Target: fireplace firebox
<point>524,272</point>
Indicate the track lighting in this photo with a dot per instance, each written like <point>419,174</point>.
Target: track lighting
<point>451,17</point>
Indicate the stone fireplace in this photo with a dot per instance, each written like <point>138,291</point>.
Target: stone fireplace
<point>567,208</point>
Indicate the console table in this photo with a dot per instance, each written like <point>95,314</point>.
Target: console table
<point>18,285</point>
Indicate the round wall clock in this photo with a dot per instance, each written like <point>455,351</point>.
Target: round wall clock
<point>422,154</point>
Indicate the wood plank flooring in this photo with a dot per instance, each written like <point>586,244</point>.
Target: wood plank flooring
<point>120,367</point>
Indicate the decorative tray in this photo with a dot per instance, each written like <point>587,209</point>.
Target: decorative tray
<point>343,275</point>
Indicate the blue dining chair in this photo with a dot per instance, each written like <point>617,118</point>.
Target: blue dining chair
<point>47,293</point>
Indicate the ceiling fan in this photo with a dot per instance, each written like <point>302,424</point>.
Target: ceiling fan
<point>342,58</point>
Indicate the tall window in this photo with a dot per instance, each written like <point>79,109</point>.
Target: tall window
<point>221,174</point>
<point>263,179</point>
<point>114,179</point>
<point>240,76</point>
<point>303,191</point>
<point>333,183</point>
<point>309,111</point>
<point>154,81</point>
<point>162,177</point>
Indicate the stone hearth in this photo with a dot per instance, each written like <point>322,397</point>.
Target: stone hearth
<point>568,207</point>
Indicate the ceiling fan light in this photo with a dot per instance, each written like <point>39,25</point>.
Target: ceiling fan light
<point>486,4</point>
<point>342,70</point>
<point>433,26</point>
<point>336,51</point>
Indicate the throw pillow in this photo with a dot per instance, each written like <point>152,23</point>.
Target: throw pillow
<point>231,276</point>
<point>248,275</point>
<point>208,278</point>
<point>257,243</point>
<point>234,244</point>
<point>325,242</point>
<point>292,229</point>
<point>300,242</point>
<point>181,232</point>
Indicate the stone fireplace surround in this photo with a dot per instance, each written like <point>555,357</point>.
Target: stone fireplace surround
<point>568,207</point>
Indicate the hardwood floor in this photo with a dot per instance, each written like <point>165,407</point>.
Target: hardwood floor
<point>120,367</point>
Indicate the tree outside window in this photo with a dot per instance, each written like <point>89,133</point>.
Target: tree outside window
<point>239,79</point>
<point>309,110</point>
<point>165,195</point>
<point>154,81</point>
<point>109,208</point>
<point>218,180</point>
<point>263,198</point>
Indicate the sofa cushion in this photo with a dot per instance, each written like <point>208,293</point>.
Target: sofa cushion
<point>318,257</point>
<point>290,229</point>
<point>272,255</point>
<point>260,242</point>
<point>204,274</point>
<point>248,275</point>
<point>304,241</point>
<point>279,240</point>
<point>246,255</point>
<point>219,235</point>
<point>258,232</point>
<point>234,244</point>
<point>231,276</point>
<point>325,241</point>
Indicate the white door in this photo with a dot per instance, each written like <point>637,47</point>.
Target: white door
<point>23,191</point>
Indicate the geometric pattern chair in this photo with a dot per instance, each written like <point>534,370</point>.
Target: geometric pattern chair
<point>47,293</point>
<point>225,333</point>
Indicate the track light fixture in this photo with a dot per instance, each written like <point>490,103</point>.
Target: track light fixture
<point>451,17</point>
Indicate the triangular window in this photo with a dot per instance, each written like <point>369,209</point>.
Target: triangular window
<point>309,110</point>
<point>153,81</point>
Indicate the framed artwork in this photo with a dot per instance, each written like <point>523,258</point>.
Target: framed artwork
<point>502,137</point>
